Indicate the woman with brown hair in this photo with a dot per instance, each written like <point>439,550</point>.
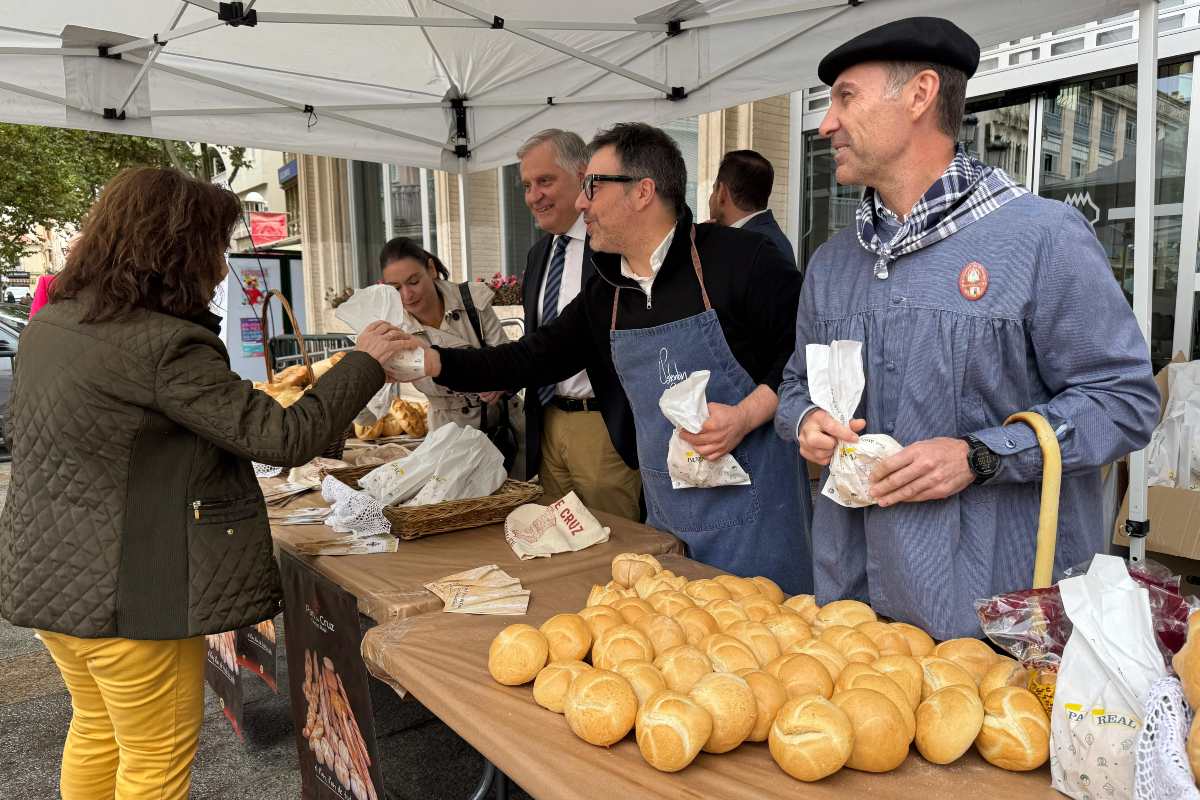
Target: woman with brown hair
<point>134,524</point>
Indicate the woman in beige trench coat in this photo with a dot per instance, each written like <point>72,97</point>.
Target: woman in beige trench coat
<point>438,305</point>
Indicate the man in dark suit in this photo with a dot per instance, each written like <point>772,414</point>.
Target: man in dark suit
<point>567,441</point>
<point>740,195</point>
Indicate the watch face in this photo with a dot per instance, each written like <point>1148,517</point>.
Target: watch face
<point>986,462</point>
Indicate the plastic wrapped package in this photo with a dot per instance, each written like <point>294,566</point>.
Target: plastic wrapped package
<point>685,406</point>
<point>373,304</point>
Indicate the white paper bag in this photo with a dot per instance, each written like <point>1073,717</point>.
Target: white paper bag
<point>685,406</point>
<point>399,480</point>
<point>469,466</point>
<point>373,304</point>
<point>482,590</point>
<point>835,385</point>
<point>534,530</point>
<point>1108,666</point>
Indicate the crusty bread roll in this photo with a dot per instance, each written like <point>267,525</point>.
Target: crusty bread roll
<point>649,584</point>
<point>758,638</point>
<point>682,667</point>
<point>1015,734</point>
<point>727,654</point>
<point>1005,672</point>
<point>971,654</point>
<point>887,640</point>
<point>880,738</point>
<point>947,723</point>
<point>696,623</point>
<point>517,654</point>
<point>805,605</point>
<point>830,657</point>
<point>844,612</point>
<point>551,685</point>
<point>920,643</point>
<point>643,678</point>
<point>622,643</point>
<point>757,607</point>
<point>600,707</point>
<point>768,589</point>
<point>600,618</point>
<point>1193,745</point>
<point>769,697</point>
<point>294,376</point>
<point>323,366</point>
<point>1187,662</point>
<point>811,738</point>
<point>860,676</point>
<point>605,595</point>
<point>939,673</point>
<point>662,631</point>
<point>738,587</point>
<point>706,590</point>
<point>629,568</point>
<point>569,637</point>
<point>801,674</point>
<point>632,609</point>
<point>856,647</point>
<point>907,674</point>
<point>730,702</point>
<point>670,602</point>
<point>788,629</point>
<point>671,729</point>
<point>726,612</point>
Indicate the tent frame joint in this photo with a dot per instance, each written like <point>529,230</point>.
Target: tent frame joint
<point>1137,529</point>
<point>854,3</point>
<point>674,28</point>
<point>677,93</point>
<point>497,23</point>
<point>235,14</point>
<point>112,113</point>
<point>462,148</point>
<point>102,52</point>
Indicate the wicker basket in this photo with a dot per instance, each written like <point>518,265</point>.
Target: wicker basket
<point>413,522</point>
<point>338,446</point>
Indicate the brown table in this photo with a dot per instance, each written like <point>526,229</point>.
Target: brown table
<point>442,660</point>
<point>390,586</point>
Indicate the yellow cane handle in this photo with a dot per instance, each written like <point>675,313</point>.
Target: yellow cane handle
<point>1047,535</point>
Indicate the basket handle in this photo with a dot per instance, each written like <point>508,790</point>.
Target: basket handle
<point>1047,535</point>
<point>287,309</point>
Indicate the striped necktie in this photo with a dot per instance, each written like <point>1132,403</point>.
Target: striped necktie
<point>550,303</point>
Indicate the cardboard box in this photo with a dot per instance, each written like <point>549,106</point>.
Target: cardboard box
<point>1174,514</point>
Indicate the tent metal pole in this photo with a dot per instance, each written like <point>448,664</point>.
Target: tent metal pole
<point>1189,230</point>
<point>166,36</point>
<point>426,239</point>
<point>778,41</point>
<point>30,33</point>
<point>34,93</point>
<point>207,5</point>
<point>298,18</point>
<point>1137,525</point>
<point>558,101</point>
<point>782,11</point>
<point>249,111</point>
<point>47,51</point>
<point>464,230</point>
<point>312,76</point>
<point>795,170</point>
<point>455,90</point>
<point>546,41</point>
<point>487,89</point>
<point>149,62</point>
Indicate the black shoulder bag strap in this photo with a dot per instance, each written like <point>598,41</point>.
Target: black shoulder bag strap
<point>464,290</point>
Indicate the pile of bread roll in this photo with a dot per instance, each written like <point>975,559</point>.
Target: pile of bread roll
<point>289,385</point>
<point>1187,666</point>
<point>710,664</point>
<point>404,418</point>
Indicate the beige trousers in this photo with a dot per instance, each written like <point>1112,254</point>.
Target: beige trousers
<point>578,456</point>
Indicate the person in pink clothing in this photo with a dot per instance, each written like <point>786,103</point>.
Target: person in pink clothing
<point>41,294</point>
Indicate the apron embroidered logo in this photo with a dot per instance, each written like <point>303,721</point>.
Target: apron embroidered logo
<point>668,370</point>
<point>973,281</point>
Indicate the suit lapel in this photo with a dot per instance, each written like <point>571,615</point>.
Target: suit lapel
<point>533,279</point>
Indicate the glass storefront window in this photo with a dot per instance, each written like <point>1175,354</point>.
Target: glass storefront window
<point>828,206</point>
<point>1089,161</point>
<point>520,231</point>
<point>405,186</point>
<point>686,133</point>
<point>997,133</point>
<point>368,224</point>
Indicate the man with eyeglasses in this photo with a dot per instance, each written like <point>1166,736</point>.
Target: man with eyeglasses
<point>670,298</point>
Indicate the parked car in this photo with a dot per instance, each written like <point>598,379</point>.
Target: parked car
<point>9,335</point>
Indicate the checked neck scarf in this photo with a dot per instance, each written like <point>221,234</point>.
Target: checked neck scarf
<point>968,191</point>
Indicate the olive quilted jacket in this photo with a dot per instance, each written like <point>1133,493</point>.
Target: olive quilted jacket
<point>133,509</point>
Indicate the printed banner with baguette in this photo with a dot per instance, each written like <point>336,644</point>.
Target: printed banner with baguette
<point>331,704</point>
<point>221,672</point>
<point>256,651</point>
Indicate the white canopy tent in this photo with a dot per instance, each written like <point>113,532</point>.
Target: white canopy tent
<point>459,84</point>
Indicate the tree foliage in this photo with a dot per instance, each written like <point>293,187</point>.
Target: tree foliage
<point>51,176</point>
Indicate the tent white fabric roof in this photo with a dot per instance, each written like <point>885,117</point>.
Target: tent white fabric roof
<point>382,80</point>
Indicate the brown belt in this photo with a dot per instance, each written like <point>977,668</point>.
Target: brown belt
<point>571,404</point>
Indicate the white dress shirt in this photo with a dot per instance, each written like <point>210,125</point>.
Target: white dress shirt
<point>577,386</point>
<point>656,261</point>
<point>747,218</point>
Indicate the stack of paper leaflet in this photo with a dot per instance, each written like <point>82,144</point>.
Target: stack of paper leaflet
<point>482,590</point>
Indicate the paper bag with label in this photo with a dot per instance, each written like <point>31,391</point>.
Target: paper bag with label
<point>1108,667</point>
<point>399,480</point>
<point>534,530</point>
<point>482,590</point>
<point>470,466</point>
<point>685,406</point>
<point>835,385</point>
<point>383,302</point>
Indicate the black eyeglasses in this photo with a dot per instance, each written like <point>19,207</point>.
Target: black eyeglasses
<point>590,181</point>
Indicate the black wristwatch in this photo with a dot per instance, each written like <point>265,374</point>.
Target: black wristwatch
<point>980,458</point>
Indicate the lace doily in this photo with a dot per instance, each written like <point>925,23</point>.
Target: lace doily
<point>266,470</point>
<point>1163,772</point>
<point>353,511</point>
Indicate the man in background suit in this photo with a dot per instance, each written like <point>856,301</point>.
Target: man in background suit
<point>740,195</point>
<point>567,442</point>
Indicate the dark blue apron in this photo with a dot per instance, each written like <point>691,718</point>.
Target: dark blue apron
<point>760,529</point>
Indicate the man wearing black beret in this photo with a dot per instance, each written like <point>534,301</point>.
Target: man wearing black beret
<point>973,299</point>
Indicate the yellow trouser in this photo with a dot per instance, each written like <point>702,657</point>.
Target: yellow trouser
<point>578,456</point>
<point>136,713</point>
